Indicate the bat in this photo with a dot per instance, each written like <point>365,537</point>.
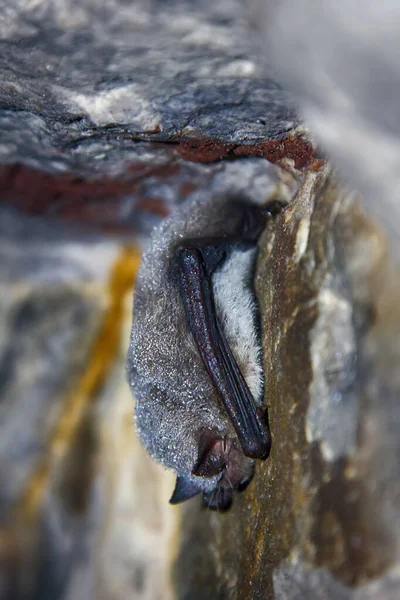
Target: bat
<point>195,360</point>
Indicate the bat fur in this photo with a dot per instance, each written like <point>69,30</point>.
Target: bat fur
<point>176,401</point>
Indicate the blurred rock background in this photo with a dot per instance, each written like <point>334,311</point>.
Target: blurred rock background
<point>340,60</point>
<point>111,114</point>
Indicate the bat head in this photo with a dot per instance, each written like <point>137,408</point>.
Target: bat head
<point>220,470</point>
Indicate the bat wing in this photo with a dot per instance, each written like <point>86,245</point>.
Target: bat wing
<point>249,420</point>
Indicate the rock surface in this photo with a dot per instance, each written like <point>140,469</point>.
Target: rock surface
<point>83,511</point>
<point>321,518</point>
<point>132,205</point>
<point>89,87</point>
<point>112,113</point>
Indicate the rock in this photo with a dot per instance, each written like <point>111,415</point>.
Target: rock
<point>90,90</point>
<point>129,207</point>
<point>80,503</point>
<point>111,115</point>
<point>321,518</point>
<point>340,61</point>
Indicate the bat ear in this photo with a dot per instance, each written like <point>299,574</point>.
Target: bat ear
<point>211,458</point>
<point>184,489</point>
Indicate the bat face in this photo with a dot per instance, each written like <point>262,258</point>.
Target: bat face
<point>194,362</point>
<point>220,459</point>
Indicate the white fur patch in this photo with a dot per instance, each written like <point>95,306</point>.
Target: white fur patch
<point>236,310</point>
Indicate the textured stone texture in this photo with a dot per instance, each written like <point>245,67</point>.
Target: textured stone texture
<point>88,86</point>
<point>112,113</point>
<point>82,508</point>
<point>135,202</point>
<point>321,518</point>
<point>84,511</point>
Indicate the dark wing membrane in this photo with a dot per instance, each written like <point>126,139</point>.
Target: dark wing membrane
<point>197,295</point>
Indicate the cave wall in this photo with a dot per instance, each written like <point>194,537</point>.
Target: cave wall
<point>112,114</point>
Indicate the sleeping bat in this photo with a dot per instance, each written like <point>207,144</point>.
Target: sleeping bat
<point>195,361</point>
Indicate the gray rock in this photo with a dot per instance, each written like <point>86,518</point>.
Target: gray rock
<point>96,89</point>
<point>83,511</point>
<point>88,87</point>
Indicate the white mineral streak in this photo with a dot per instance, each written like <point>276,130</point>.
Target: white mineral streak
<point>121,104</point>
<point>302,238</point>
<point>331,417</point>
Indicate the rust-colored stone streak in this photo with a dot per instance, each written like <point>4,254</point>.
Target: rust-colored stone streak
<point>101,203</point>
<point>75,198</point>
<point>295,147</point>
<point>102,357</point>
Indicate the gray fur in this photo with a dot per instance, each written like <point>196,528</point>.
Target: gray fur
<point>175,397</point>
